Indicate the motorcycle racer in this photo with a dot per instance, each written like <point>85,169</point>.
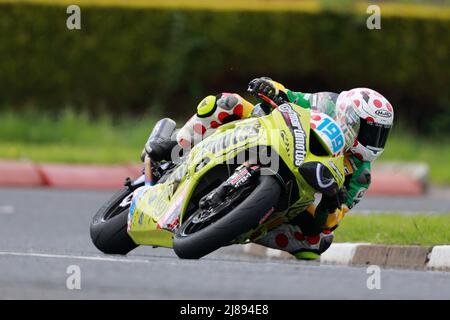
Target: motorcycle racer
<point>365,117</point>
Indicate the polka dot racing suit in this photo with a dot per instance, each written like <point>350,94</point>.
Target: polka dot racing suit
<point>318,222</point>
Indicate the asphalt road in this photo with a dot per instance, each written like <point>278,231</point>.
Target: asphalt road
<point>43,232</point>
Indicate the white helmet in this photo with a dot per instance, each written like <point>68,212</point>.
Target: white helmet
<point>366,117</point>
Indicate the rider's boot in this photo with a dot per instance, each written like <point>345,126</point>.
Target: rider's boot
<point>162,140</point>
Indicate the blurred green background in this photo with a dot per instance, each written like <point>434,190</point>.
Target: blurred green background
<point>92,95</point>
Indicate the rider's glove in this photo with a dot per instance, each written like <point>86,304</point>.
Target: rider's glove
<point>342,196</point>
<point>331,202</point>
<point>263,86</point>
<point>269,88</point>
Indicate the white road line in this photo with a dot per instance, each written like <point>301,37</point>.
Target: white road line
<point>7,210</point>
<point>64,256</point>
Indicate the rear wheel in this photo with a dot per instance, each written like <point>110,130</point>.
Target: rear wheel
<point>206,231</point>
<point>109,226</point>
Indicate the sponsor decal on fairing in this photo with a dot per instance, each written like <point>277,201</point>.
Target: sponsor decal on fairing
<point>292,119</point>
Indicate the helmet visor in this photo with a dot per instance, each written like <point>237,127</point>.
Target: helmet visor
<point>372,134</point>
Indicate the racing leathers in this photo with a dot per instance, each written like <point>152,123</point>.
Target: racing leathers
<point>317,223</point>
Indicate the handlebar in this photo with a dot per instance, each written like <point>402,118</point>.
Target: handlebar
<point>268,100</point>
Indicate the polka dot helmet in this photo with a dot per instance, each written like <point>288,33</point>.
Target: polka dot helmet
<point>366,117</point>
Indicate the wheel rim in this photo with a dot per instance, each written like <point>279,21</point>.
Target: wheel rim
<point>201,219</point>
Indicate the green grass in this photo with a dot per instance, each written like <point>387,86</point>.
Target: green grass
<point>421,229</point>
<point>72,138</point>
<point>76,138</point>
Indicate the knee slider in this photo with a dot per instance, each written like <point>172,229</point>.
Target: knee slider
<point>207,107</point>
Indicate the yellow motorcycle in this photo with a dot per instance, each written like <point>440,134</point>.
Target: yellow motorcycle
<point>231,188</point>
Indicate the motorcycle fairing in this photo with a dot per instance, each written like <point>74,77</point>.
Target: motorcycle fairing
<point>157,210</point>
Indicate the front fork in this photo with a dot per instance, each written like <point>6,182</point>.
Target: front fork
<point>242,177</point>
<point>149,179</point>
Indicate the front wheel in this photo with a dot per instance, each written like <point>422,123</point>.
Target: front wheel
<point>200,235</point>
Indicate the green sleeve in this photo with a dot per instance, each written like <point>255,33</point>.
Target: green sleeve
<point>298,98</point>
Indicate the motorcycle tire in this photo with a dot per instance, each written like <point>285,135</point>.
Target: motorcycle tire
<point>243,218</point>
<point>109,226</point>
